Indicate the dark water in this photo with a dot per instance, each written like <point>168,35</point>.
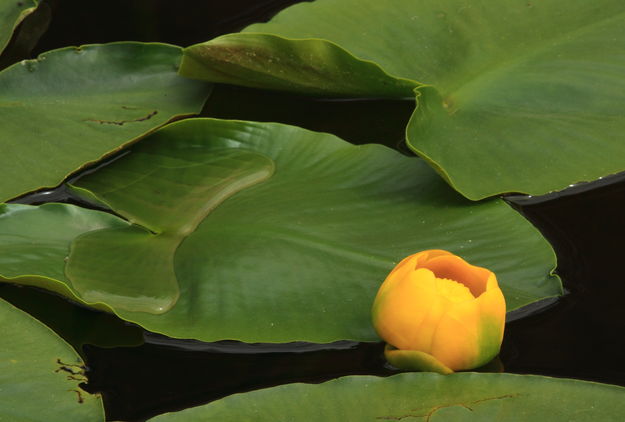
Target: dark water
<point>582,336</point>
<point>141,374</point>
<point>62,23</point>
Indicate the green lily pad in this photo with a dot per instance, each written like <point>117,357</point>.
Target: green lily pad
<point>314,67</point>
<point>263,232</point>
<point>70,107</point>
<point>419,396</point>
<point>11,14</point>
<point>40,373</point>
<point>522,98</point>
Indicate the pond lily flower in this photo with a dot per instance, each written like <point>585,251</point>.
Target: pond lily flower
<point>439,313</point>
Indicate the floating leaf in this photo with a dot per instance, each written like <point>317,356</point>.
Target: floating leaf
<point>11,14</point>
<point>297,256</point>
<point>70,107</point>
<point>314,67</point>
<point>40,373</point>
<point>419,396</point>
<point>169,192</point>
<point>526,98</point>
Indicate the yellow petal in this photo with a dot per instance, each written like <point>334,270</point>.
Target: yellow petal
<point>399,312</point>
<point>452,291</point>
<point>455,268</point>
<point>470,334</point>
<point>409,264</point>
<point>456,341</point>
<point>400,272</point>
<point>492,306</point>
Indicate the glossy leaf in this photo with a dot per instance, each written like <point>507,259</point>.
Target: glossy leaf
<point>11,14</point>
<point>419,396</point>
<point>169,192</point>
<point>40,373</point>
<point>70,107</point>
<point>522,98</point>
<point>297,256</point>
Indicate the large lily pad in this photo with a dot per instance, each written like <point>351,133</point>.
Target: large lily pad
<point>72,106</point>
<point>419,396</point>
<point>40,373</point>
<point>522,98</point>
<point>222,248</point>
<point>11,14</point>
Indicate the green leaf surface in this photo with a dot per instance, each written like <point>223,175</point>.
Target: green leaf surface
<point>314,67</point>
<point>169,192</point>
<point>70,107</point>
<point>522,98</point>
<point>40,373</point>
<point>11,14</point>
<point>419,396</point>
<point>296,256</point>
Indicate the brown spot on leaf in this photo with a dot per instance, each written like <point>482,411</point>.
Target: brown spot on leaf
<point>80,398</point>
<point>72,369</point>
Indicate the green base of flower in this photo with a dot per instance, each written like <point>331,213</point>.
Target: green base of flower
<point>413,360</point>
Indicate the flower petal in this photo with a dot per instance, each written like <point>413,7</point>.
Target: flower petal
<point>456,341</point>
<point>455,268</point>
<point>400,272</point>
<point>409,264</point>
<point>492,306</point>
<point>399,312</point>
<point>469,335</point>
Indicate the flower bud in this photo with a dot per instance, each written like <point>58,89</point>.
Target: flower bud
<point>439,313</point>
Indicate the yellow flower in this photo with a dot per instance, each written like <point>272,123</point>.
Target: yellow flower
<point>439,313</point>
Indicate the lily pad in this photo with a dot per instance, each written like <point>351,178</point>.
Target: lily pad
<point>311,66</point>
<point>526,98</point>
<point>11,14</point>
<point>40,374</point>
<point>419,396</point>
<point>263,232</point>
<point>72,106</point>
